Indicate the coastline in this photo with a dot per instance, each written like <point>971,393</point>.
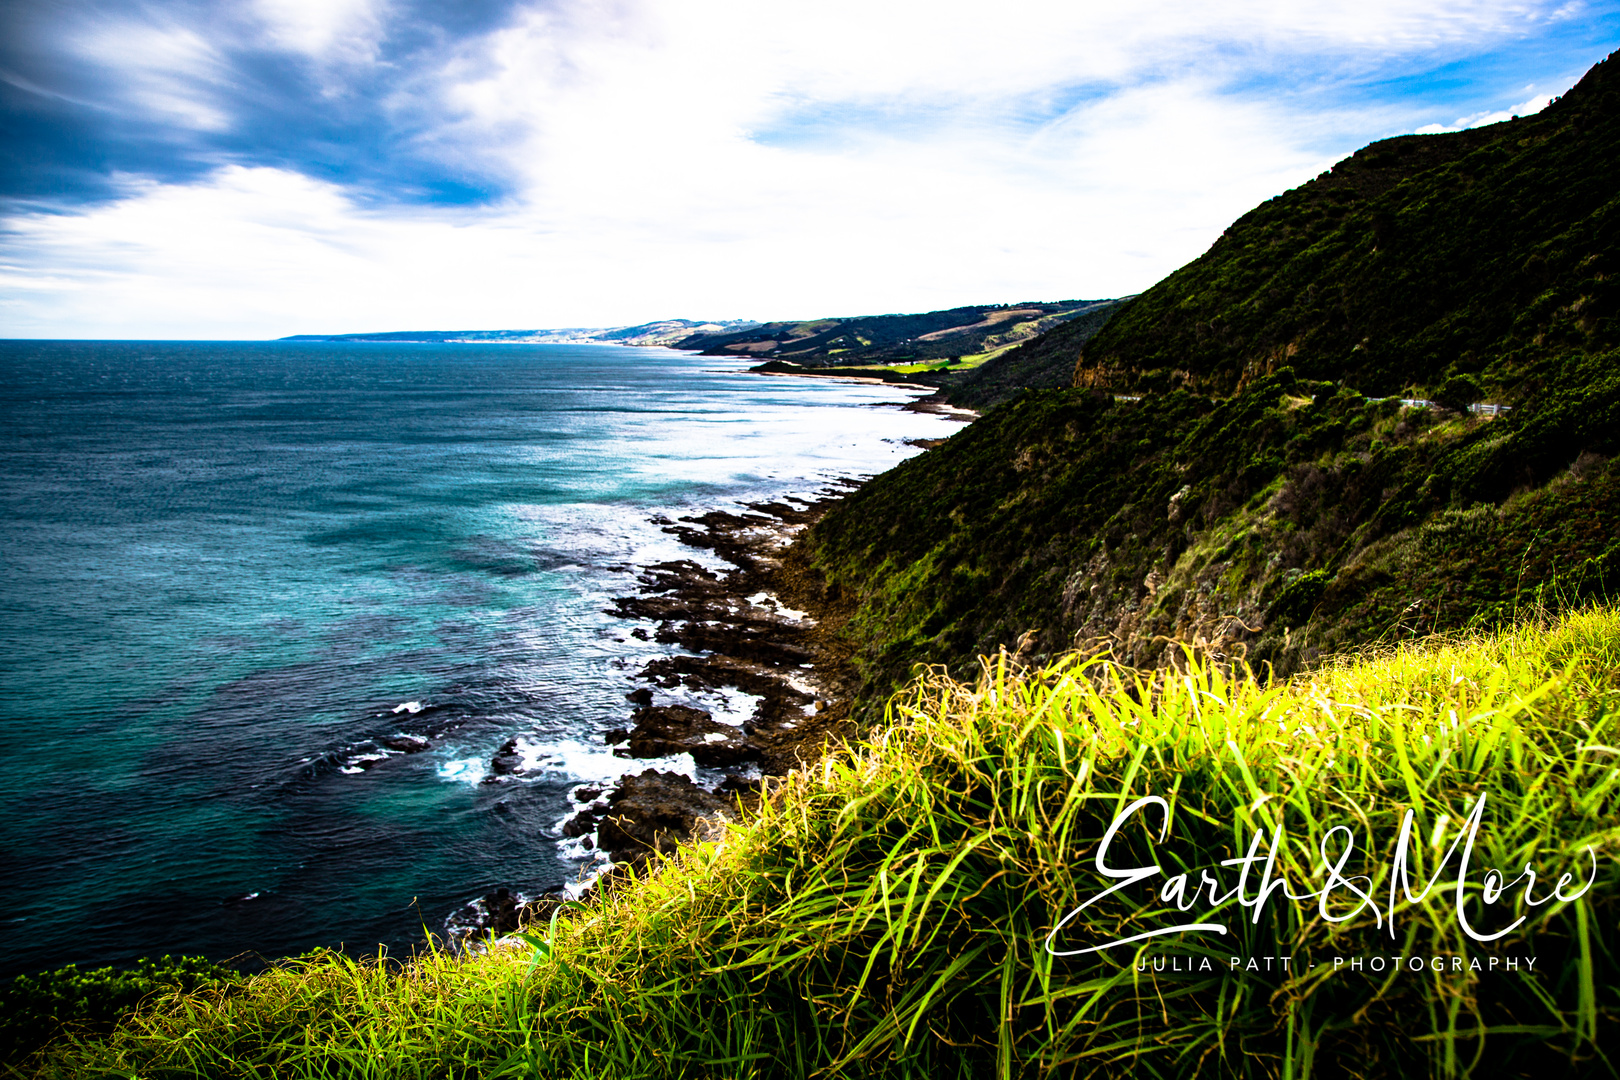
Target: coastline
<point>927,404</point>
<point>761,627</point>
<point>754,628</point>
<point>405,613</point>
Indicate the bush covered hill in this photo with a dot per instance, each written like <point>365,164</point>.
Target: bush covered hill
<point>1487,256</point>
<point>886,913</point>
<point>1220,475</point>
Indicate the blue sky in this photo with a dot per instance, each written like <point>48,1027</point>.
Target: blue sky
<point>254,168</point>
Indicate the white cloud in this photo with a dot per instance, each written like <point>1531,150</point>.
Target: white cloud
<point>1528,107</point>
<point>321,28</point>
<point>162,70</point>
<point>661,173</point>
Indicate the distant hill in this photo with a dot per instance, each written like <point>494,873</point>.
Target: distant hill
<point>1236,467</point>
<point>976,354</point>
<point>1027,366</point>
<point>666,332</point>
<point>853,341</point>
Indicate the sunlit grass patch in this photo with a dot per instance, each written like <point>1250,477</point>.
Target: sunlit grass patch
<point>887,911</point>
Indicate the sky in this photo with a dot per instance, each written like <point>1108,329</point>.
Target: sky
<point>248,169</point>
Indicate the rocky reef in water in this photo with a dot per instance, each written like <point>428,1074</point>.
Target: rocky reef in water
<point>736,629</point>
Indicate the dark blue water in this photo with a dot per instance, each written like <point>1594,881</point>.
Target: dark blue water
<point>233,573</point>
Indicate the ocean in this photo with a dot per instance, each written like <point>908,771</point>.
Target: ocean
<point>244,584</point>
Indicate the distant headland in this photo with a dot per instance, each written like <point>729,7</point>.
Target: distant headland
<point>971,354</point>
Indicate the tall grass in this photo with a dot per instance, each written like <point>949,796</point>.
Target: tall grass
<point>886,912</point>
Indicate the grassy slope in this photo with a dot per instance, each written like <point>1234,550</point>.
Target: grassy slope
<point>1291,517</point>
<point>983,380</point>
<point>884,914</point>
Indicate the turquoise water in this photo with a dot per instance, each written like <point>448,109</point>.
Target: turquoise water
<point>231,569</point>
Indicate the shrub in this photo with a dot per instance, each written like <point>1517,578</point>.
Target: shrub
<point>36,1008</point>
<point>1299,598</point>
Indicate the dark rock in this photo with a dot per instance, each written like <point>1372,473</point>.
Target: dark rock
<point>654,812</point>
<point>662,730</point>
<point>616,736</point>
<point>499,912</point>
<point>404,744</point>
<point>586,794</point>
<point>503,911</point>
<point>506,759</point>
<point>736,785</point>
<point>727,640</point>
<point>581,824</point>
<point>642,696</point>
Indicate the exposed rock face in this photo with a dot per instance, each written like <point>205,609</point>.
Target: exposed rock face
<point>503,909</point>
<point>654,812</point>
<point>744,638</point>
<point>582,823</point>
<point>507,759</point>
<point>499,912</point>
<point>662,730</point>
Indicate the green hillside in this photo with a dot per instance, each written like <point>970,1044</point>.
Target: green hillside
<point>1487,254</point>
<point>1223,476</point>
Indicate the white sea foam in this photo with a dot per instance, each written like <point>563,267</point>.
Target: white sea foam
<point>463,770</point>
<point>459,612</point>
<point>582,762</point>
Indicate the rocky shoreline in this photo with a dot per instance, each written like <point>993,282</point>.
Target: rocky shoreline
<point>763,627</point>
<point>737,630</point>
